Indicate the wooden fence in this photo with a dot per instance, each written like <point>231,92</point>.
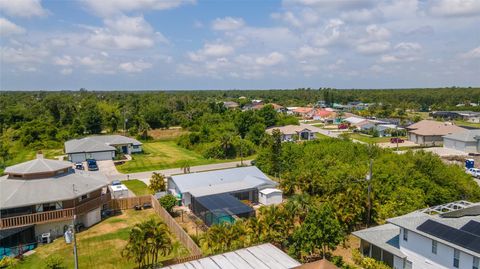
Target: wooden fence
<point>130,202</point>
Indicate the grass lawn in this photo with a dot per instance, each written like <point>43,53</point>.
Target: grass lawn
<point>322,136</point>
<point>99,246</point>
<point>163,155</point>
<point>466,123</point>
<point>137,187</point>
<point>368,139</point>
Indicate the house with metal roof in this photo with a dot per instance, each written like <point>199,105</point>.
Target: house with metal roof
<point>265,256</point>
<point>244,183</point>
<point>444,236</point>
<point>431,133</point>
<point>100,147</point>
<point>468,141</point>
<point>39,198</point>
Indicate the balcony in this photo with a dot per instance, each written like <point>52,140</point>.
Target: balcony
<point>55,215</point>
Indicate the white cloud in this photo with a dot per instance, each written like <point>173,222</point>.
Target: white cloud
<point>373,47</point>
<point>377,32</point>
<point>474,53</point>
<point>330,34</point>
<point>106,8</point>
<point>9,28</point>
<point>408,46</point>
<point>272,59</point>
<point>359,15</point>
<point>403,52</point>
<point>90,61</point>
<point>211,51</point>
<point>135,67</point>
<point>65,60</point>
<point>25,54</point>
<point>227,24</point>
<point>452,8</point>
<point>332,4</point>
<point>125,32</point>
<point>309,52</point>
<point>23,8</point>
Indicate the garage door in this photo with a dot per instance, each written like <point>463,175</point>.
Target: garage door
<point>450,144</point>
<point>77,157</point>
<point>101,156</point>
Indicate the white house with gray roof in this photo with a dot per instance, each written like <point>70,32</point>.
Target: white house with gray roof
<point>244,183</point>
<point>40,197</point>
<point>100,147</point>
<point>445,236</point>
<point>468,141</point>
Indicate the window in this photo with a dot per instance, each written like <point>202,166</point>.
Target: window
<point>405,235</point>
<point>83,197</point>
<point>434,247</point>
<point>456,258</point>
<point>476,263</point>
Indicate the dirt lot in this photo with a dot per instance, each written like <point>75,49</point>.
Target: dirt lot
<point>346,251</point>
<point>164,134</point>
<point>189,222</point>
<point>406,143</point>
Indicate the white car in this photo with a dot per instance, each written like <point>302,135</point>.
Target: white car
<point>474,172</point>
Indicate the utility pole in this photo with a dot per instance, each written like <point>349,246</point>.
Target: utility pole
<point>369,190</point>
<point>396,132</point>
<point>75,253</point>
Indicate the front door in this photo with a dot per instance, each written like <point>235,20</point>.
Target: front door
<point>125,149</point>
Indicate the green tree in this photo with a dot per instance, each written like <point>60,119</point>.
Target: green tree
<point>92,119</point>
<point>168,202</point>
<point>320,232</point>
<point>157,183</point>
<point>268,114</point>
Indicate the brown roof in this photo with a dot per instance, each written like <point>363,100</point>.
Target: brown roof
<point>321,264</point>
<point>260,106</point>
<point>430,127</point>
<point>302,110</point>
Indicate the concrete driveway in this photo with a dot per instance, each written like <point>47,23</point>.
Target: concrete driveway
<point>108,169</point>
<point>389,145</point>
<point>444,152</point>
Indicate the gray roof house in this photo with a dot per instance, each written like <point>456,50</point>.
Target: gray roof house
<point>444,236</point>
<point>468,141</point>
<point>39,197</point>
<point>221,195</point>
<point>100,147</point>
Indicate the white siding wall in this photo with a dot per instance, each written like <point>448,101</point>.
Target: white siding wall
<point>54,228</point>
<point>91,218</point>
<point>468,147</point>
<point>135,150</point>
<point>397,262</point>
<point>274,198</point>
<point>419,251</point>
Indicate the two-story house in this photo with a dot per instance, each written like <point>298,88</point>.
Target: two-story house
<point>39,198</point>
<point>445,236</point>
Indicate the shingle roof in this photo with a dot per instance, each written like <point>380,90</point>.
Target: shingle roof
<point>38,165</point>
<point>293,129</point>
<point>430,127</point>
<point>19,192</point>
<point>222,181</point>
<point>265,256</point>
<point>468,136</point>
<point>354,120</point>
<point>98,143</point>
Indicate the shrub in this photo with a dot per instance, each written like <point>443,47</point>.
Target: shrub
<point>55,262</point>
<point>168,202</point>
<point>8,262</point>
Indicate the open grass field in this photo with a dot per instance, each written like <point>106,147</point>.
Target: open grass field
<point>466,123</point>
<point>137,187</point>
<point>100,246</point>
<point>166,134</point>
<point>160,155</point>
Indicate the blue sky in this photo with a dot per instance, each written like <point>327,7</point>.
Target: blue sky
<point>195,44</point>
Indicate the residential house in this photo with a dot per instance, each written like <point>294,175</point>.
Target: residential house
<point>276,107</point>
<point>265,256</point>
<point>321,114</point>
<point>222,195</point>
<point>431,133</point>
<point>445,236</point>
<point>230,105</point>
<point>352,120</point>
<point>469,116</point>
<point>467,141</point>
<point>39,198</point>
<point>303,112</point>
<point>296,132</point>
<point>100,147</point>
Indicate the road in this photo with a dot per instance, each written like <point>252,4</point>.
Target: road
<point>108,169</point>
<point>335,134</point>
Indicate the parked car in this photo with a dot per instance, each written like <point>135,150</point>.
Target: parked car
<point>343,126</point>
<point>396,140</point>
<point>79,166</point>
<point>475,172</point>
<point>92,165</point>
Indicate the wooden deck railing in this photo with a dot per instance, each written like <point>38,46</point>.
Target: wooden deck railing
<point>55,215</point>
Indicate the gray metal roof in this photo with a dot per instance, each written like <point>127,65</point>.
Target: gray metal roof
<point>384,236</point>
<point>265,256</point>
<point>38,165</point>
<point>20,192</point>
<point>222,181</point>
<point>98,143</point>
<point>467,136</point>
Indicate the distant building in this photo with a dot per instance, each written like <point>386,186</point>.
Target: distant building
<point>468,116</point>
<point>431,133</point>
<point>38,199</point>
<point>296,132</point>
<point>100,147</point>
<point>230,104</point>
<point>467,141</point>
<point>445,236</point>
